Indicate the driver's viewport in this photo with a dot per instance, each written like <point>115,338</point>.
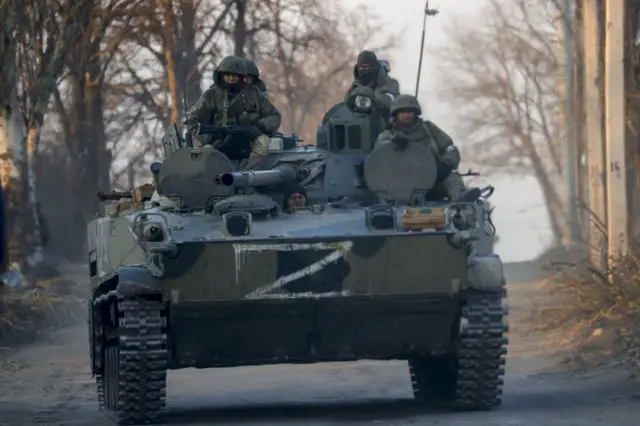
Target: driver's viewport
<point>346,132</point>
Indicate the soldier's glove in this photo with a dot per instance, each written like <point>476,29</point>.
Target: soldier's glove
<point>443,171</point>
<point>400,142</point>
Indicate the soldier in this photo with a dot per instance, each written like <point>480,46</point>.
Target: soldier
<point>253,77</point>
<point>230,101</point>
<point>407,126</point>
<point>295,197</point>
<point>372,77</point>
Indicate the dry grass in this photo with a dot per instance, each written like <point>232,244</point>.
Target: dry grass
<point>594,311</point>
<point>26,312</point>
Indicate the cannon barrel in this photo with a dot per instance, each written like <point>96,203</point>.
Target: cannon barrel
<point>245,179</point>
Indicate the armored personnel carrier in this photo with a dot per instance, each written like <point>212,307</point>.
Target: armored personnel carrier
<point>208,268</point>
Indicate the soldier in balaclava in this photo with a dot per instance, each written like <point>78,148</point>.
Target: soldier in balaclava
<point>406,126</point>
<point>253,77</point>
<point>230,101</point>
<point>372,80</point>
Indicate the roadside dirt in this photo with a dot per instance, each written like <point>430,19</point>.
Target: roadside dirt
<point>48,383</point>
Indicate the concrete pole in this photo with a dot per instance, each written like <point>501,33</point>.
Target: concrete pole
<point>569,123</point>
<point>616,173</point>
<point>580,128</point>
<point>593,119</point>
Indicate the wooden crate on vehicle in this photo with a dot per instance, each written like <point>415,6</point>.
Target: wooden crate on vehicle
<point>418,218</point>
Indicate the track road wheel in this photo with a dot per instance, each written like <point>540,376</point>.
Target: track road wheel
<point>473,378</point>
<point>135,367</point>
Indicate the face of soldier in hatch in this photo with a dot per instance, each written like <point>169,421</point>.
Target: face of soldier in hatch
<point>296,200</point>
<point>231,78</point>
<point>405,117</point>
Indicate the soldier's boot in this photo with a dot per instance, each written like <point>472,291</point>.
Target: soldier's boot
<point>258,152</point>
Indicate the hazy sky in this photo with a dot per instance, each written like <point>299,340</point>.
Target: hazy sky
<point>520,216</point>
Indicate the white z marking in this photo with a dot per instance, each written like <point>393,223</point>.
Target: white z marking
<point>341,249</point>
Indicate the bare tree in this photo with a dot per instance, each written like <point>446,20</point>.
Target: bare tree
<point>500,76</point>
<point>310,64</point>
<point>86,124</point>
<point>174,43</point>
<point>37,37</point>
<point>317,44</point>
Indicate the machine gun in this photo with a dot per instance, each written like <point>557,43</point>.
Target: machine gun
<point>138,194</point>
<point>247,179</point>
<point>235,140</point>
<point>114,195</point>
<point>470,173</point>
<point>220,132</point>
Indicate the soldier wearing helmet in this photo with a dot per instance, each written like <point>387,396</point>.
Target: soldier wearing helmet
<point>253,77</point>
<point>230,101</point>
<point>372,80</point>
<point>406,126</point>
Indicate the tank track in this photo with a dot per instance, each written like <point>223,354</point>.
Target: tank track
<point>475,380</point>
<point>96,342</point>
<point>132,382</point>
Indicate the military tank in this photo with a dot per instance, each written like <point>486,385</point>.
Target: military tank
<point>370,268</point>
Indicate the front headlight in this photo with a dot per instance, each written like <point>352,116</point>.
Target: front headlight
<point>363,103</point>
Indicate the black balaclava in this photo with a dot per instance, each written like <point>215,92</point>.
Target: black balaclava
<point>367,57</point>
<point>232,88</point>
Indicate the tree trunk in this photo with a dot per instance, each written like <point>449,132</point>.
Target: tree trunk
<point>32,236</point>
<point>632,74</point>
<point>90,159</point>
<point>240,29</point>
<point>192,76</point>
<point>18,212</point>
<point>84,174</point>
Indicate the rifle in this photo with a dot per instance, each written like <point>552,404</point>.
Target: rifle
<point>470,173</point>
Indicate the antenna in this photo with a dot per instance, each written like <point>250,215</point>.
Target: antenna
<point>183,77</point>
<point>427,12</point>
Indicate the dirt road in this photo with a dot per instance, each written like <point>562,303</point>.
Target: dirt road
<point>48,383</point>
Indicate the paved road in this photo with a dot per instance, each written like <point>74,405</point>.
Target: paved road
<point>47,383</point>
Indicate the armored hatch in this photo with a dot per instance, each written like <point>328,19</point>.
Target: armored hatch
<point>190,176</point>
<point>400,175</point>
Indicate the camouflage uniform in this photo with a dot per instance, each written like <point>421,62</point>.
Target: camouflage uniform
<point>426,132</point>
<point>383,88</point>
<point>238,104</point>
<point>253,71</point>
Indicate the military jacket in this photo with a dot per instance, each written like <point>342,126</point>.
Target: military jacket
<point>426,132</point>
<point>384,87</point>
<point>218,106</point>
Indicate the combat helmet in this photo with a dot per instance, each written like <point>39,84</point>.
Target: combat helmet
<point>405,102</point>
<point>252,68</point>
<point>231,65</point>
